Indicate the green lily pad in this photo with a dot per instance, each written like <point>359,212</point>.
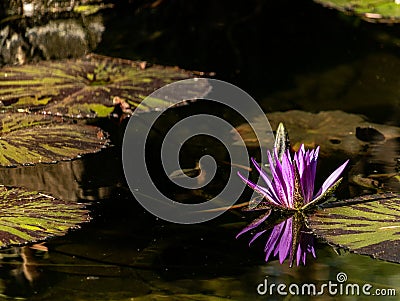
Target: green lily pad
<point>332,130</point>
<point>29,216</point>
<point>30,139</point>
<point>368,225</point>
<point>86,88</point>
<point>387,11</point>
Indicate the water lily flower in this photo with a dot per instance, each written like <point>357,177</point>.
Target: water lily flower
<point>290,189</point>
<point>292,183</point>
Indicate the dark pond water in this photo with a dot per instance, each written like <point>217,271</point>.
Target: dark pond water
<point>287,55</point>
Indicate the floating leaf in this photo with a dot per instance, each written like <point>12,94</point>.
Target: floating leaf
<point>387,11</point>
<point>29,216</point>
<point>367,225</point>
<point>332,130</point>
<point>29,139</point>
<point>88,87</point>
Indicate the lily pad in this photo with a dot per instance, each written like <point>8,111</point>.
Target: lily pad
<point>332,130</point>
<point>29,216</point>
<point>29,139</point>
<point>87,88</point>
<point>367,225</point>
<point>387,11</point>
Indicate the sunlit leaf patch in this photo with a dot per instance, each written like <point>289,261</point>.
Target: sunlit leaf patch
<point>367,225</point>
<point>31,138</point>
<point>86,88</point>
<point>30,216</point>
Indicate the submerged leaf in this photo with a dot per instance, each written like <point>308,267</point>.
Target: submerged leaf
<point>88,87</point>
<point>367,225</point>
<point>29,216</point>
<point>29,139</point>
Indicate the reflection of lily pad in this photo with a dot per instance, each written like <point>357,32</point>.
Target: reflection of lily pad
<point>31,216</point>
<point>332,130</point>
<point>28,139</point>
<point>378,170</point>
<point>368,225</point>
<point>70,180</point>
<point>387,11</point>
<point>84,87</point>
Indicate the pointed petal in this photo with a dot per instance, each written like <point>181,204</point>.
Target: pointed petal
<point>266,180</point>
<point>299,255</point>
<point>272,240</point>
<point>256,236</point>
<point>279,182</point>
<point>276,183</point>
<point>307,166</point>
<point>258,221</point>
<point>300,159</point>
<point>331,179</point>
<point>286,240</point>
<point>288,177</point>
<point>261,190</point>
<point>323,197</point>
<point>316,153</point>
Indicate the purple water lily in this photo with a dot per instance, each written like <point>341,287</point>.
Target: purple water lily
<point>290,188</point>
<point>292,183</point>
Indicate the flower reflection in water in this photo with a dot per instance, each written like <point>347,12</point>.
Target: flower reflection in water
<point>288,238</point>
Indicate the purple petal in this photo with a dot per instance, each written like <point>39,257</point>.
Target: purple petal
<point>299,255</point>
<point>309,181</point>
<point>300,161</point>
<point>254,223</point>
<point>316,153</point>
<point>256,236</point>
<point>261,190</point>
<point>288,177</point>
<point>331,179</point>
<point>279,182</point>
<point>266,180</point>
<point>307,166</point>
<point>272,240</point>
<point>277,185</point>
<point>285,242</point>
